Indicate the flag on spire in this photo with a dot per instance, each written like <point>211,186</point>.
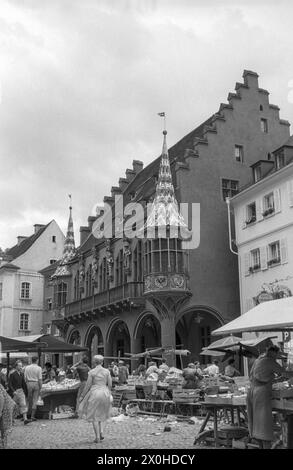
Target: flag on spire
<point>162,114</point>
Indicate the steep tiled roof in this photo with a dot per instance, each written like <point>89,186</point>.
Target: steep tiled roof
<point>18,250</point>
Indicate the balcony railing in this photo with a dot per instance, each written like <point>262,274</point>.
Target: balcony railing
<point>111,296</point>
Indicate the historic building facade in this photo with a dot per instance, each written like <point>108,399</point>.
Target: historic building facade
<point>121,296</point>
<point>22,285</point>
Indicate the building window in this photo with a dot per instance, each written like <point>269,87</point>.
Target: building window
<point>49,304</point>
<point>255,260</point>
<point>57,331</point>
<point>229,188</point>
<point>264,125</point>
<point>52,261</point>
<point>1,289</point>
<point>280,161</point>
<point>239,153</point>
<point>53,239</point>
<point>61,294</point>
<point>274,256</point>
<point>268,204</point>
<point>251,213</point>
<point>261,107</point>
<point>24,322</point>
<point>48,330</point>
<point>257,174</point>
<point>25,292</point>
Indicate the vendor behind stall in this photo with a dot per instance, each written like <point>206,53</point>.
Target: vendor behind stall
<point>191,377</point>
<point>259,405</point>
<point>230,369</point>
<point>213,369</point>
<point>122,373</point>
<point>48,373</point>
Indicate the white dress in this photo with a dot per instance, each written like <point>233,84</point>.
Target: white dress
<point>96,405</point>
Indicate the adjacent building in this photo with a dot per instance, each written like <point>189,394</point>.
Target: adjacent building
<point>22,285</point>
<point>115,286</point>
<point>264,230</point>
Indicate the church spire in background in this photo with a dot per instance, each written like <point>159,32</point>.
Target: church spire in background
<point>69,247</point>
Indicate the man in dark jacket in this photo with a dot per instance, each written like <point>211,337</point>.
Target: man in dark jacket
<point>18,390</point>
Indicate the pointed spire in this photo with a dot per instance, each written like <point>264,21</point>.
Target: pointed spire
<point>165,211</point>
<point>69,247</point>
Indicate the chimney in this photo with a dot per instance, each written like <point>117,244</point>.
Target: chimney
<point>37,227</point>
<point>84,233</point>
<point>20,239</point>
<point>137,166</point>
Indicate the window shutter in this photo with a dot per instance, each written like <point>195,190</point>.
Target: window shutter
<point>246,264</point>
<point>290,192</point>
<point>263,257</point>
<point>277,200</point>
<point>259,209</point>
<point>284,250</point>
<point>244,217</point>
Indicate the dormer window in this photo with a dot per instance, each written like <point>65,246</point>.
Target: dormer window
<point>257,173</point>
<point>280,161</point>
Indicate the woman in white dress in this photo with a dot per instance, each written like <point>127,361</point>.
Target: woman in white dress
<point>95,401</point>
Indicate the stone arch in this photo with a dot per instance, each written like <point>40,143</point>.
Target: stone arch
<point>194,326</point>
<point>118,338</point>
<point>147,332</point>
<point>94,341</point>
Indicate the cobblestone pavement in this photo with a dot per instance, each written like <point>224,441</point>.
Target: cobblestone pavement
<point>131,433</point>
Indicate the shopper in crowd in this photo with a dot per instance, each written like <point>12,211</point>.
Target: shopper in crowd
<point>33,379</point>
<point>3,378</point>
<point>49,373</point>
<point>141,370</point>
<point>82,370</point>
<point>230,369</point>
<point>114,371</point>
<point>122,373</point>
<point>18,390</point>
<point>68,372</point>
<point>259,401</point>
<point>7,412</point>
<point>213,369</point>
<point>95,400</point>
<point>164,366</point>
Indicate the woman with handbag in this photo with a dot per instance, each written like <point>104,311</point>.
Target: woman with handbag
<point>96,398</point>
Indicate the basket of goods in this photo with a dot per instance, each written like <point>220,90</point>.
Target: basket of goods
<point>282,390</point>
<point>232,432</point>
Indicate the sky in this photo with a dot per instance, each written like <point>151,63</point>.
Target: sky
<point>81,83</point>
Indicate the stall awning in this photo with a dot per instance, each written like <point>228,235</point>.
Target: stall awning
<point>274,315</point>
<point>49,343</point>
<point>8,345</point>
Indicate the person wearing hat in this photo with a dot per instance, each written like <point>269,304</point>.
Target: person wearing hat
<point>259,406</point>
<point>122,373</point>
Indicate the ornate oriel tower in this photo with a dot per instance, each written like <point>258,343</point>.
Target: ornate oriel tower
<point>166,279</point>
<point>61,278</point>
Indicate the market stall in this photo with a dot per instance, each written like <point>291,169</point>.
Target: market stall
<point>273,316</point>
<point>55,394</point>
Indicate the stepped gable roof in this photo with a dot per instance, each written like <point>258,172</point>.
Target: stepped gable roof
<point>18,250</point>
<point>176,153</point>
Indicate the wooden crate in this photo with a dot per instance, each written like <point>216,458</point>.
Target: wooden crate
<point>186,396</point>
